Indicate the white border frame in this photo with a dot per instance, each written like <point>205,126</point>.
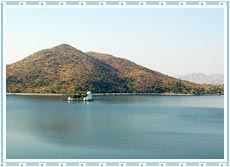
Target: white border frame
<point>162,4</point>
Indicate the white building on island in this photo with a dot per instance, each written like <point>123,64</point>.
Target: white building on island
<point>89,96</point>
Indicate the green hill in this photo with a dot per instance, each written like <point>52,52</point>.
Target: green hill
<point>64,69</point>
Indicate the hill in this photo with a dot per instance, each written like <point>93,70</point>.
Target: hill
<point>65,69</point>
<point>200,78</point>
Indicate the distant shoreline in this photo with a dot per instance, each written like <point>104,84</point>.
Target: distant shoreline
<point>108,94</point>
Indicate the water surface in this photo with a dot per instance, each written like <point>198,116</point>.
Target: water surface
<point>130,127</point>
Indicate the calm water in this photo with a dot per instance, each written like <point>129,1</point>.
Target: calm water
<point>116,127</point>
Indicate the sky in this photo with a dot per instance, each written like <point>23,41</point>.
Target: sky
<point>171,41</point>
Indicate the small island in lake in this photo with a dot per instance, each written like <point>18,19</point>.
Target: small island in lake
<point>66,70</point>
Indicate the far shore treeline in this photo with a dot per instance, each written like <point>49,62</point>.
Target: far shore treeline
<point>66,70</point>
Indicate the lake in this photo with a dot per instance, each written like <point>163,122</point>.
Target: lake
<point>115,127</point>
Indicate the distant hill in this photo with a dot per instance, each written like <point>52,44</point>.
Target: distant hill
<point>65,69</point>
<point>203,78</point>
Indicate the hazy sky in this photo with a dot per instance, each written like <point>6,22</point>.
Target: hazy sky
<point>171,41</point>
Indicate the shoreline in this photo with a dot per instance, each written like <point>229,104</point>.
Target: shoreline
<point>108,94</point>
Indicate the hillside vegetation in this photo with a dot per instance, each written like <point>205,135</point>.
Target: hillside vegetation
<point>65,69</point>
